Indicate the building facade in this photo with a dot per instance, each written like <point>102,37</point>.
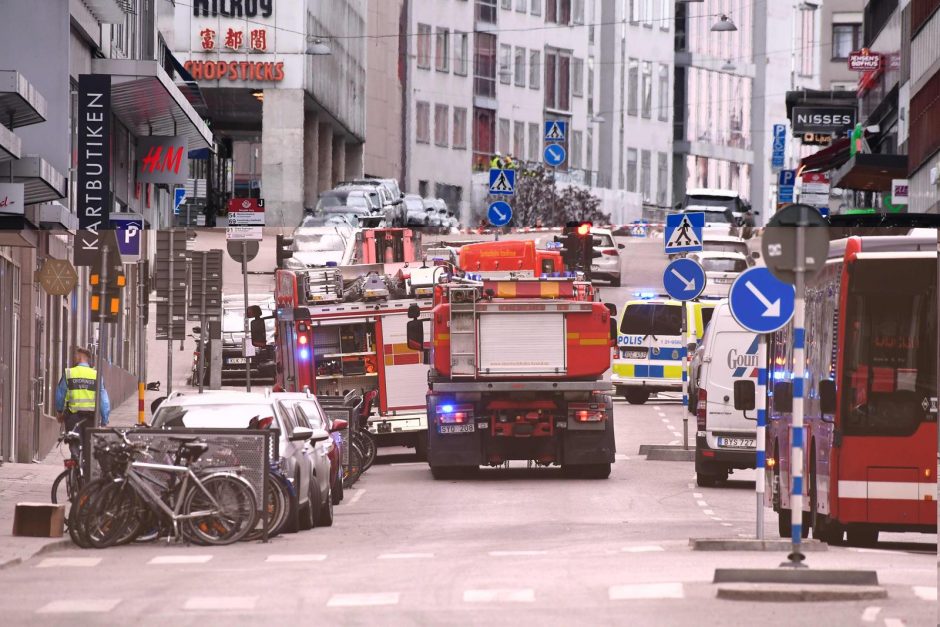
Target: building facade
<point>920,76</point>
<point>385,81</point>
<point>840,21</point>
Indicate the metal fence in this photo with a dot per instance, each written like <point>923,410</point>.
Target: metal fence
<point>336,409</point>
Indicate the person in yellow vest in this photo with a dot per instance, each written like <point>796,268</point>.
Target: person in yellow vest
<point>75,396</point>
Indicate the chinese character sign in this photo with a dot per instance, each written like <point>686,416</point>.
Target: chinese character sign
<point>259,40</point>
<point>233,39</point>
<point>207,36</point>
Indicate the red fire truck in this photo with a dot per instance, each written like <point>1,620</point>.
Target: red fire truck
<point>517,370</point>
<point>871,393</point>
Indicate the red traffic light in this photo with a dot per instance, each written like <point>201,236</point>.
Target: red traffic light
<point>584,228</point>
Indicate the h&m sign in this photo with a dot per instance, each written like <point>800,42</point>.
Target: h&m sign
<point>233,8</point>
<point>163,160</point>
<point>94,165</point>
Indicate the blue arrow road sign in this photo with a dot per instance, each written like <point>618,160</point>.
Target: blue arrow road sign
<point>684,279</point>
<point>129,231</point>
<point>684,232</point>
<point>554,155</point>
<point>760,302</point>
<point>179,196</point>
<point>779,146</point>
<point>502,181</point>
<point>499,213</point>
<point>555,130</point>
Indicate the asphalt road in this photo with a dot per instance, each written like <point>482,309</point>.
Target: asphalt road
<point>514,546</point>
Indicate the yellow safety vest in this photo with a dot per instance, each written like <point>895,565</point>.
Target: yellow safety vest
<point>80,395</point>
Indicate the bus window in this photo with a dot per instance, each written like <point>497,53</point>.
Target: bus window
<point>890,370</point>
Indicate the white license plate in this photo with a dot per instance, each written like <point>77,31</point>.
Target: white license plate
<point>737,442</point>
<point>724,281</point>
<point>235,360</point>
<point>467,428</point>
<point>634,355</point>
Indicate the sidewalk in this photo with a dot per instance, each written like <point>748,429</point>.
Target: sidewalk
<point>32,483</point>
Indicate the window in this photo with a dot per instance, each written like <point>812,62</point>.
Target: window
<point>484,65</point>
<point>504,135</point>
<point>535,69</point>
<point>576,147</point>
<point>647,89</point>
<point>535,141</point>
<point>557,80</point>
<point>518,140</point>
<point>648,12</point>
<point>633,89</point>
<point>577,77</point>
<point>440,125</point>
<point>460,128</point>
<point>577,11</point>
<point>807,43</point>
<point>506,4</point>
<point>590,86</point>
<point>664,9</point>
<point>846,39</point>
<point>486,11</point>
<point>521,5</point>
<point>663,92</point>
<point>461,45</point>
<point>589,151</point>
<point>645,175</point>
<point>558,11</point>
<point>424,46</point>
<point>635,11</point>
<point>631,169</point>
<point>662,179</point>
<point>519,67</point>
<point>484,136</point>
<point>505,64</point>
<point>442,50</point>
<point>536,7</point>
<point>422,122</point>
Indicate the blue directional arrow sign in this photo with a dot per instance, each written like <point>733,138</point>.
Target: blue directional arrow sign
<point>499,213</point>
<point>179,196</point>
<point>684,232</point>
<point>502,182</point>
<point>554,155</point>
<point>760,302</point>
<point>684,279</point>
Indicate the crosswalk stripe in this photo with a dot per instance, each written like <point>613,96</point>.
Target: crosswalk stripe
<point>220,603</point>
<point>516,553</point>
<point>78,606</point>
<point>870,614</point>
<point>505,595</point>
<point>59,562</point>
<point>927,593</point>
<point>405,556</point>
<point>646,591</point>
<point>363,599</point>
<point>162,560</point>
<point>652,548</point>
<point>296,557</point>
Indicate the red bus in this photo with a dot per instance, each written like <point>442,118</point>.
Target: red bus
<point>871,393</point>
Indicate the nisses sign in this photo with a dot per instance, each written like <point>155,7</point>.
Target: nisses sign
<point>233,8</point>
<point>822,119</point>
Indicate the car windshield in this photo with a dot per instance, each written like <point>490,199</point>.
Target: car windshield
<point>316,242</point>
<point>717,217</point>
<point>233,415</point>
<point>652,319</point>
<point>723,264</point>
<point>711,201</point>
<point>603,240</point>
<point>726,247</point>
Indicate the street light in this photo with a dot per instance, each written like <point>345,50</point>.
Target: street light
<point>724,24</point>
<point>318,48</point>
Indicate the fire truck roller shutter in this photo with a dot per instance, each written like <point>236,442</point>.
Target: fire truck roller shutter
<point>527,343</point>
<point>406,377</point>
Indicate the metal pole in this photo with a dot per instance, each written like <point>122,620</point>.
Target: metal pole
<point>102,334</point>
<point>761,406</point>
<point>141,342</point>
<point>796,557</point>
<point>169,316</point>
<point>685,376</point>
<point>247,338</point>
<point>203,335</point>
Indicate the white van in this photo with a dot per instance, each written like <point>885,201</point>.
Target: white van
<point>725,439</point>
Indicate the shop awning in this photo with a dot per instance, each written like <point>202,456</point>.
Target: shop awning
<point>870,172</point>
<point>41,182</point>
<point>145,98</point>
<point>829,158</point>
<point>10,145</point>
<point>20,103</point>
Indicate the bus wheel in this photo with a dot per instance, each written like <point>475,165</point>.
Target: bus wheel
<point>636,396</point>
<point>861,536</point>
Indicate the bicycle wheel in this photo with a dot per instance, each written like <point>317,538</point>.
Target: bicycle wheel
<point>60,487</point>
<point>369,449</point>
<point>277,511</point>
<point>230,521</point>
<point>76,512</point>
<point>112,515</point>
<point>355,465</point>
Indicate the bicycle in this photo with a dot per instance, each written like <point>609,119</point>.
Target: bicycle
<point>280,496</point>
<point>72,478</point>
<point>214,508</point>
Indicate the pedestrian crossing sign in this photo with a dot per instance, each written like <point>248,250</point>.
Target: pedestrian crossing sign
<point>555,130</point>
<point>683,232</point>
<point>502,182</point>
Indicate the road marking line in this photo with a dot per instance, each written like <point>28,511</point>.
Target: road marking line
<point>870,614</point>
<point>356,496</point>
<point>724,524</point>
<point>716,518</point>
<point>363,599</point>
<point>701,503</point>
<point>708,512</point>
<point>180,559</point>
<point>516,553</point>
<point>646,591</point>
<point>926,593</point>
<point>698,495</point>
<point>504,595</point>
<point>894,622</point>
<point>296,557</point>
<point>405,556</point>
<point>55,562</point>
<point>652,548</point>
<point>220,603</point>
<point>78,606</point>
<point>673,442</point>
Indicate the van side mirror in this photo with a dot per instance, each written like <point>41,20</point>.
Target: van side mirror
<point>415,334</point>
<point>259,333</point>
<point>745,395</point>
<point>254,311</point>
<point>414,312</point>
<point>613,321</point>
<point>783,397</point>
<point>197,330</point>
<point>827,397</point>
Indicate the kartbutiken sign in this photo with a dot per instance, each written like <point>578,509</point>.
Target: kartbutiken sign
<point>94,165</point>
<point>822,119</point>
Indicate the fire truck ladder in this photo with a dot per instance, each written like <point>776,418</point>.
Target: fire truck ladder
<point>463,331</point>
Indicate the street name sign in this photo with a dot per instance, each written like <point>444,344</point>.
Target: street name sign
<point>239,233</point>
<point>760,302</point>
<point>684,279</point>
<point>684,232</point>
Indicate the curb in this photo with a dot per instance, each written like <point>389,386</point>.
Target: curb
<point>57,545</point>
<point>776,593</point>
<point>804,576</point>
<point>745,544</point>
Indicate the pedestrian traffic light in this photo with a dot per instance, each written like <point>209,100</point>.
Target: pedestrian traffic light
<point>284,249</point>
<point>107,280</point>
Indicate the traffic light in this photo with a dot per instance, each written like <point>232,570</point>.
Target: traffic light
<point>570,249</point>
<point>106,300</point>
<point>284,249</point>
<point>587,251</point>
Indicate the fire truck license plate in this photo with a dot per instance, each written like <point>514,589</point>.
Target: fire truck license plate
<point>737,442</point>
<point>467,428</point>
<point>235,360</point>
<point>385,427</point>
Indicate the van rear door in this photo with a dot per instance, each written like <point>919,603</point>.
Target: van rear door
<point>733,355</point>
